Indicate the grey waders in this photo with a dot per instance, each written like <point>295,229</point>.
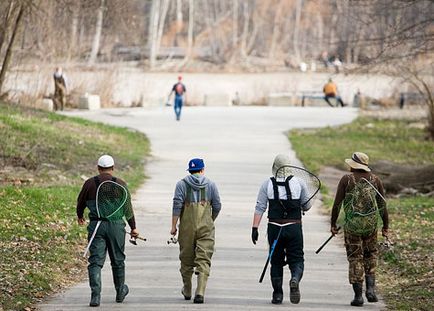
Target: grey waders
<point>196,243</point>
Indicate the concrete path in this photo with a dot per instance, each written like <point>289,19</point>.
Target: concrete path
<point>238,145</point>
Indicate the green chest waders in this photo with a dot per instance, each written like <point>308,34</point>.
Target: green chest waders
<point>196,240</point>
<point>109,238</point>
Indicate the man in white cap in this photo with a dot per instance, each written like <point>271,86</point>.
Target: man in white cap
<point>286,198</point>
<point>110,236</point>
<point>361,245</point>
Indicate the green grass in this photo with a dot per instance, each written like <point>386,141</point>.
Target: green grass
<point>405,271</point>
<point>45,158</point>
<point>380,139</point>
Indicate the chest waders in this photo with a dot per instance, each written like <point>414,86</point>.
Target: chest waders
<point>196,241</point>
<point>285,234</point>
<point>59,92</point>
<point>110,237</point>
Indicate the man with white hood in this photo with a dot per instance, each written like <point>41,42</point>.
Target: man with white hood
<point>286,198</point>
<point>196,204</point>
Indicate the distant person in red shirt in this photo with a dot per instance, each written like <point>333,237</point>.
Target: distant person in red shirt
<point>180,97</point>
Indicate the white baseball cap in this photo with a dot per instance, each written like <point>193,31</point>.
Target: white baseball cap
<point>106,161</point>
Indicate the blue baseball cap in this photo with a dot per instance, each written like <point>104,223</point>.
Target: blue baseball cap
<point>195,164</point>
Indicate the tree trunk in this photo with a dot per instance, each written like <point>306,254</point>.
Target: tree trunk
<point>74,31</point>
<point>154,32</point>
<point>234,23</point>
<point>297,28</point>
<point>320,32</point>
<point>244,35</point>
<point>5,26</point>
<point>276,26</point>
<point>98,30</point>
<point>8,55</point>
<point>161,23</point>
<point>179,21</point>
<point>190,29</point>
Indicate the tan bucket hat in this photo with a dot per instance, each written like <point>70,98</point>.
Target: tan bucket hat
<point>359,160</point>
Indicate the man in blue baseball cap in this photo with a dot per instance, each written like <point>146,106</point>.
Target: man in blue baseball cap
<point>196,204</point>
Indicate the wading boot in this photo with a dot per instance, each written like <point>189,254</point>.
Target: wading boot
<point>95,300</point>
<point>121,293</point>
<point>294,291</point>
<point>277,290</point>
<point>122,289</point>
<point>200,290</point>
<point>358,292</point>
<point>95,285</point>
<point>370,288</point>
<point>186,289</point>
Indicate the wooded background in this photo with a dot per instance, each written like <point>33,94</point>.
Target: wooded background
<point>395,37</point>
<point>217,31</point>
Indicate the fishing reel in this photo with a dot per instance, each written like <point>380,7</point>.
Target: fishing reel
<point>172,240</point>
<point>385,245</point>
<point>133,239</point>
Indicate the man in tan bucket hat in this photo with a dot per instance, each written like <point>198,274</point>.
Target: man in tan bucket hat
<point>361,194</point>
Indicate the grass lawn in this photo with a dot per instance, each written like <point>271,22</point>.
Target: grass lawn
<point>44,159</point>
<point>405,277</point>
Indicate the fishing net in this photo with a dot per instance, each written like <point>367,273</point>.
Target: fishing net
<point>310,180</point>
<point>113,202</point>
<point>363,207</point>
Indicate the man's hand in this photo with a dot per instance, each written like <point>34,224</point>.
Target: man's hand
<point>173,231</point>
<point>255,235</point>
<point>81,221</point>
<point>334,230</point>
<point>385,232</point>
<point>134,233</point>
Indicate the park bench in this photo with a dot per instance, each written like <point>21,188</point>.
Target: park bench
<point>410,98</point>
<point>314,95</point>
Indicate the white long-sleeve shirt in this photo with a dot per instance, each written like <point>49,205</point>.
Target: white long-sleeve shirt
<point>298,191</point>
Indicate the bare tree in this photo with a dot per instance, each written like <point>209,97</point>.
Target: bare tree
<point>98,30</point>
<point>19,8</point>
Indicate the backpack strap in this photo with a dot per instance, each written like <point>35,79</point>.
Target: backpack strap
<point>287,188</point>
<point>275,189</point>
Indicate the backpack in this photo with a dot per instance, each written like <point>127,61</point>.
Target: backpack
<point>179,89</point>
<point>361,208</point>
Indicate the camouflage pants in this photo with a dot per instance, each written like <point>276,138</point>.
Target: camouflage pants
<point>362,256</point>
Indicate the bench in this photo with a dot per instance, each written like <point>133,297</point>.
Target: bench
<point>315,95</point>
<point>410,98</point>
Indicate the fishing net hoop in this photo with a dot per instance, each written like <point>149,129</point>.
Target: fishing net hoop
<point>313,184</point>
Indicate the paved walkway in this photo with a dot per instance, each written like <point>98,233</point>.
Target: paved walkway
<point>238,145</point>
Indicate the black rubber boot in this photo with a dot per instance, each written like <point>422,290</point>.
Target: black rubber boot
<point>277,290</point>
<point>294,291</point>
<point>95,300</point>
<point>370,288</point>
<point>122,289</point>
<point>198,299</point>
<point>358,292</point>
<point>95,285</point>
<point>121,293</point>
